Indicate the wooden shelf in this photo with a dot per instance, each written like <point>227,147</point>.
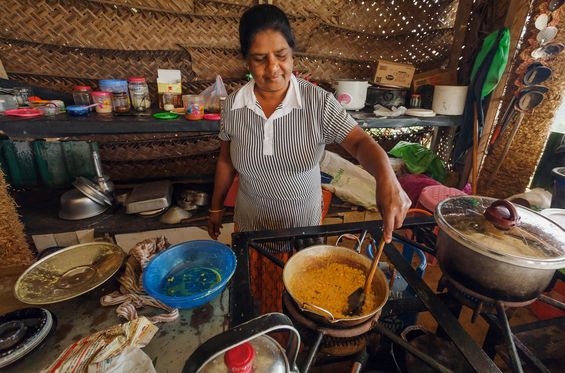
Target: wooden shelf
<point>63,125</point>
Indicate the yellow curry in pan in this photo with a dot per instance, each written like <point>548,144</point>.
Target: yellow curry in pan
<point>329,287</point>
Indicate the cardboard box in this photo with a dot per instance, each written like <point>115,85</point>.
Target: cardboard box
<point>392,73</point>
<point>434,77</point>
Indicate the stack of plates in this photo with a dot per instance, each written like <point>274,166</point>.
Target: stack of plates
<point>420,113</point>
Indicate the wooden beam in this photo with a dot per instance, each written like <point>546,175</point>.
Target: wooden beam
<point>515,21</point>
<point>459,31</point>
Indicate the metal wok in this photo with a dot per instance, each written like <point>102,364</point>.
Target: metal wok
<point>319,256</point>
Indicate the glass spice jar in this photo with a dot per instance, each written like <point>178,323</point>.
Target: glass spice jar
<point>120,102</point>
<point>82,95</point>
<point>415,101</point>
<point>139,92</point>
<point>103,101</point>
<point>171,100</point>
<point>22,95</point>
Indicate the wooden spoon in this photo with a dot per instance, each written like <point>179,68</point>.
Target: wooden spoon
<point>356,300</point>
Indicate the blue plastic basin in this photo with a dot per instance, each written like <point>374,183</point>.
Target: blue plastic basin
<point>189,274</point>
<point>77,110</point>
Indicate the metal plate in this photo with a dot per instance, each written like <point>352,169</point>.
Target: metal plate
<point>69,273</point>
<point>88,188</point>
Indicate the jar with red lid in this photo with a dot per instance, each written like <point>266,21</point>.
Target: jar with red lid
<point>103,101</point>
<point>139,93</point>
<point>82,95</point>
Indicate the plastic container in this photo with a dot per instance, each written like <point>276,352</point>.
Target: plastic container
<point>82,95</point>
<point>139,93</point>
<point>449,99</point>
<point>60,105</point>
<point>198,255</point>
<point>77,110</point>
<point>103,101</point>
<point>194,105</point>
<point>432,195</point>
<point>113,85</point>
<point>8,102</point>
<point>120,102</point>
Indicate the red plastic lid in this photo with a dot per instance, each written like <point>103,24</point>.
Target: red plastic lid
<point>82,88</point>
<point>238,359</point>
<point>24,113</point>
<point>212,116</point>
<point>100,93</point>
<point>136,79</point>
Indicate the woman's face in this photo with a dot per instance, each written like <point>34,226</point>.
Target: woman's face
<point>270,61</point>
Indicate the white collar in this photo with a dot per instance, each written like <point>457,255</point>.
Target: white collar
<point>245,97</point>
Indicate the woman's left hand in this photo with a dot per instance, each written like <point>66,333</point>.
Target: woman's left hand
<point>393,204</point>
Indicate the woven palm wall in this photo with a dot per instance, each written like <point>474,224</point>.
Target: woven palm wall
<point>58,43</point>
<point>526,148</point>
<point>61,43</point>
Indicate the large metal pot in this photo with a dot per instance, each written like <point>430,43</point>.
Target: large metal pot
<point>511,257</point>
<point>319,256</point>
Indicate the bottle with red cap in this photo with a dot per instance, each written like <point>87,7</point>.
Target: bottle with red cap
<point>240,359</point>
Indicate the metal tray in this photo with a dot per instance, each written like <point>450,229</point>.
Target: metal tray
<point>149,196</point>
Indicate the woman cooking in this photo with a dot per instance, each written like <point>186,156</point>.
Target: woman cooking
<point>274,131</point>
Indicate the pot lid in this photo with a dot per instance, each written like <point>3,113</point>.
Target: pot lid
<point>89,189</point>
<point>265,354</point>
<point>503,231</point>
<point>68,273</point>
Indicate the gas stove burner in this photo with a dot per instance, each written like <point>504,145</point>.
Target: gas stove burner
<point>343,332</point>
<point>477,302</point>
<point>336,341</point>
<point>38,324</point>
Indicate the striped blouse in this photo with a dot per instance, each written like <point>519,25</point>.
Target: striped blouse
<point>278,158</point>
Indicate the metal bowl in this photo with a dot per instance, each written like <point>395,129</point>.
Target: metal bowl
<point>76,206</point>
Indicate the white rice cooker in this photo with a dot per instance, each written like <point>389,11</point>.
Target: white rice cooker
<point>352,94</point>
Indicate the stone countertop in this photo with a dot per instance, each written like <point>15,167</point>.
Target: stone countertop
<point>79,317</point>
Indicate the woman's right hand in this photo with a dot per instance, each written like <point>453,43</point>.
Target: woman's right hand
<point>215,223</point>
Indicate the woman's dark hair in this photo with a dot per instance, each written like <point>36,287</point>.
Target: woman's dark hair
<point>260,18</point>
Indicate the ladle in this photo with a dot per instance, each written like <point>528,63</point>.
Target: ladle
<point>548,50</point>
<point>555,4</point>
<point>356,300</point>
<point>547,35</point>
<point>526,103</point>
<point>533,76</point>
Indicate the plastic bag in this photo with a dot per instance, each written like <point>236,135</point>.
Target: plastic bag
<point>419,160</point>
<point>349,182</point>
<point>212,95</point>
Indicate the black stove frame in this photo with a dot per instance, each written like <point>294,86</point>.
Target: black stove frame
<point>441,306</point>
